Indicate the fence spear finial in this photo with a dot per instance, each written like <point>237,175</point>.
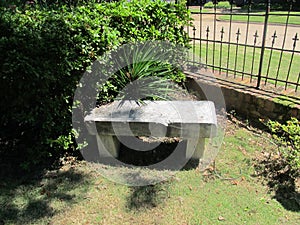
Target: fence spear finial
<point>295,39</point>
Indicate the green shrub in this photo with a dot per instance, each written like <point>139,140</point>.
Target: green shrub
<point>209,5</point>
<point>45,3</point>
<point>44,53</point>
<point>288,137</point>
<point>220,5</point>
<point>224,5</point>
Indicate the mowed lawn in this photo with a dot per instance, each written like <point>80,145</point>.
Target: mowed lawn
<point>228,193</point>
<point>275,17</point>
<point>278,17</point>
<point>250,63</point>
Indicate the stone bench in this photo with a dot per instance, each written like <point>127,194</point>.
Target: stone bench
<point>189,120</point>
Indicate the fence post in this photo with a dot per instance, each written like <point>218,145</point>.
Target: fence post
<point>268,2</point>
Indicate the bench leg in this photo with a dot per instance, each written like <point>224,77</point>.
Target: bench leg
<point>195,148</point>
<point>108,146</point>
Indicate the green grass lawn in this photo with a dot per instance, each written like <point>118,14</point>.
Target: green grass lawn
<point>197,10</point>
<point>78,194</point>
<point>237,63</point>
<point>273,18</point>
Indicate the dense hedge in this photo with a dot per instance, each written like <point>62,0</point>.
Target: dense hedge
<point>44,53</point>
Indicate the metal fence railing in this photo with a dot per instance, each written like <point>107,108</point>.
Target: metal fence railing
<point>259,40</point>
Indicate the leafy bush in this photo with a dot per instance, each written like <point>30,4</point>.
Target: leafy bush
<point>209,5</point>
<point>288,137</point>
<point>220,5</point>
<point>224,5</point>
<point>45,3</point>
<point>44,53</point>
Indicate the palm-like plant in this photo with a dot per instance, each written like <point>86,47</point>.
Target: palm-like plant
<point>145,72</point>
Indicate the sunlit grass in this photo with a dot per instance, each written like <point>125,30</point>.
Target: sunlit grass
<point>191,197</point>
<point>273,18</point>
<point>247,60</point>
<point>80,195</point>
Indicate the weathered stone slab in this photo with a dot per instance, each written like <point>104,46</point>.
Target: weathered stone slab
<point>190,120</point>
<point>185,119</point>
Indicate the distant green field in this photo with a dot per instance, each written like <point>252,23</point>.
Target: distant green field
<point>237,62</point>
<point>274,17</point>
<point>197,10</point>
<point>279,19</point>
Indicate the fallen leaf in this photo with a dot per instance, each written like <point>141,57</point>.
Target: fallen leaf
<point>234,182</point>
<point>180,199</point>
<point>221,218</point>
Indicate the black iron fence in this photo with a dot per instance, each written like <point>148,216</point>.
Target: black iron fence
<point>257,41</point>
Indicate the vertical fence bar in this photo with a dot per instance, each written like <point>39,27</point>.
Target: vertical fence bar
<point>271,54</point>
<point>246,38</point>
<point>253,55</point>
<point>283,43</point>
<point>201,17</point>
<point>221,49</point>
<point>262,52</point>
<point>207,34</point>
<point>297,82</point>
<point>194,45</point>
<point>229,35</point>
<point>295,39</point>
<point>187,29</point>
<point>214,35</point>
<point>236,50</point>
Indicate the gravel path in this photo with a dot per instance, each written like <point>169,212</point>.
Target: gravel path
<point>208,21</point>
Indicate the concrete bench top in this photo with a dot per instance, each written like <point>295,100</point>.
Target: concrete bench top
<point>185,119</point>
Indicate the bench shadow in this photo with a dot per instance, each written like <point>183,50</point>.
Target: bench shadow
<point>143,198</point>
<point>24,200</point>
<point>150,196</point>
<point>147,197</point>
<point>280,182</point>
<point>288,197</point>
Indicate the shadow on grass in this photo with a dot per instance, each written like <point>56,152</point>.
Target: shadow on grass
<point>30,199</point>
<point>147,197</point>
<point>288,197</point>
<point>279,180</point>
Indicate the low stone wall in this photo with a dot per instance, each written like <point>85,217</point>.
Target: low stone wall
<point>248,102</point>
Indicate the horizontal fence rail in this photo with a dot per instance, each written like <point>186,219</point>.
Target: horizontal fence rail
<point>258,41</point>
